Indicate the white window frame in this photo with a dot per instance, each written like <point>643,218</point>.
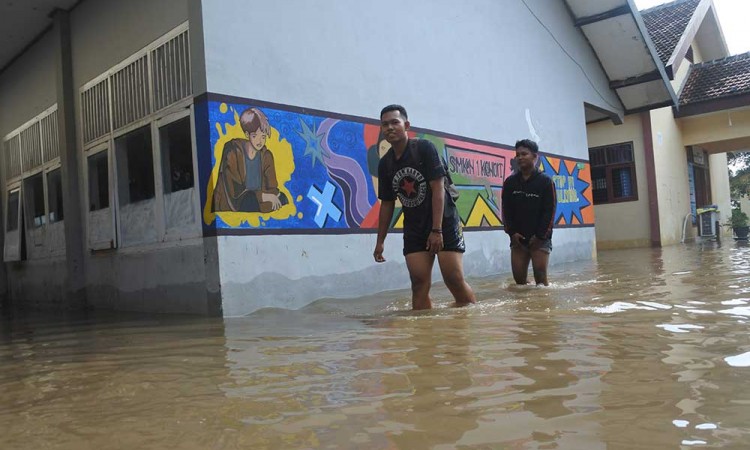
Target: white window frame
<point>17,182</point>
<point>16,186</point>
<point>155,120</point>
<point>173,234</point>
<point>102,147</point>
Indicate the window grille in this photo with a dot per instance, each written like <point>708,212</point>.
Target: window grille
<point>31,148</point>
<point>50,138</point>
<point>95,111</point>
<point>13,157</point>
<point>153,79</point>
<point>130,93</point>
<point>170,71</point>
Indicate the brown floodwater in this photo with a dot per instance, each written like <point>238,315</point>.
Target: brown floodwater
<point>645,348</point>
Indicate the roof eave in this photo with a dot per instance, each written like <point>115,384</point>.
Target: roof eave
<point>713,105</point>
<point>687,38</point>
<point>654,54</point>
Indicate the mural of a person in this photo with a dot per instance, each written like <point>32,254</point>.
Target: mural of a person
<point>247,175</point>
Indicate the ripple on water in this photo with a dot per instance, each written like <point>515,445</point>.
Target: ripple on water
<point>606,357</point>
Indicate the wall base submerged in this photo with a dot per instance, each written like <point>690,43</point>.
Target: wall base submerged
<point>292,271</point>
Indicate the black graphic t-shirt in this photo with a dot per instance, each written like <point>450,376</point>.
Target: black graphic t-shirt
<point>408,180</point>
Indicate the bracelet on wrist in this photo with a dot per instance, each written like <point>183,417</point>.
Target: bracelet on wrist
<point>437,230</point>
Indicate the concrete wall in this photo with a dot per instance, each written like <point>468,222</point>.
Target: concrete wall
<point>27,87</point>
<point>465,71</point>
<point>611,230</point>
<point>340,266</point>
<point>160,276</point>
<point>148,275</point>
<point>670,161</point>
<point>105,32</point>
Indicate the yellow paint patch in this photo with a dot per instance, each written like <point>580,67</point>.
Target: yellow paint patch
<point>399,221</point>
<point>223,108</point>
<point>283,161</point>
<point>482,215</point>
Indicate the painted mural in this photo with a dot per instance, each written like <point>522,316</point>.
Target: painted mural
<point>286,170</point>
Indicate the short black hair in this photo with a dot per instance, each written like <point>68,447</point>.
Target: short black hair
<point>528,143</point>
<point>398,108</point>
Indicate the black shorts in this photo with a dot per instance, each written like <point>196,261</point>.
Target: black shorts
<point>546,246</point>
<point>453,241</point>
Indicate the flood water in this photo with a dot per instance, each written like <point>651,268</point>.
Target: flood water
<point>641,349</point>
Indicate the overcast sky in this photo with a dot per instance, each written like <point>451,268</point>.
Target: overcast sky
<point>733,15</point>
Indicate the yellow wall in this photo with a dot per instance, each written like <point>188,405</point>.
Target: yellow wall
<point>670,161</point>
<point>719,126</point>
<point>720,187</point>
<point>611,230</point>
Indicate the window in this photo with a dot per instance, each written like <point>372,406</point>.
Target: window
<point>13,199</point>
<point>135,166</point>
<point>33,193</point>
<point>613,173</point>
<point>98,173</point>
<point>177,155</point>
<point>54,196</point>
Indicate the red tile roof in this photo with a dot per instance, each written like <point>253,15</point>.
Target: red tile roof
<point>666,23</point>
<point>712,80</point>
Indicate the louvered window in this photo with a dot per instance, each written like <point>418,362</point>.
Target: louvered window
<point>95,111</point>
<point>170,71</point>
<point>13,157</point>
<point>152,80</point>
<point>50,139</point>
<point>31,148</point>
<point>130,93</point>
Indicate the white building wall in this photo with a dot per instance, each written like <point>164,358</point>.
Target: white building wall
<point>486,70</point>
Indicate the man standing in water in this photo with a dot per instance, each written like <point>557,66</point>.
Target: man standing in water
<point>413,172</point>
<point>528,203</point>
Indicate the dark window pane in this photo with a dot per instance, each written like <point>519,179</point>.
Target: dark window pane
<point>177,155</point>
<point>33,194</point>
<point>54,196</point>
<point>13,205</point>
<point>135,168</point>
<point>618,154</point>
<point>622,182</point>
<point>596,156</point>
<point>599,184</point>
<point>98,181</point>
<point>612,173</point>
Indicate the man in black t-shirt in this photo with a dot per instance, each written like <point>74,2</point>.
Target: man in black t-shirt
<point>528,203</point>
<point>414,173</point>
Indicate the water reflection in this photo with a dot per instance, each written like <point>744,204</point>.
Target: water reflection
<point>643,349</point>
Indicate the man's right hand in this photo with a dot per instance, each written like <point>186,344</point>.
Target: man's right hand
<point>516,239</point>
<point>378,253</point>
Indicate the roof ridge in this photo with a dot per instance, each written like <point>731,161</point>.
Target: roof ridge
<point>730,58</point>
<point>665,6</point>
